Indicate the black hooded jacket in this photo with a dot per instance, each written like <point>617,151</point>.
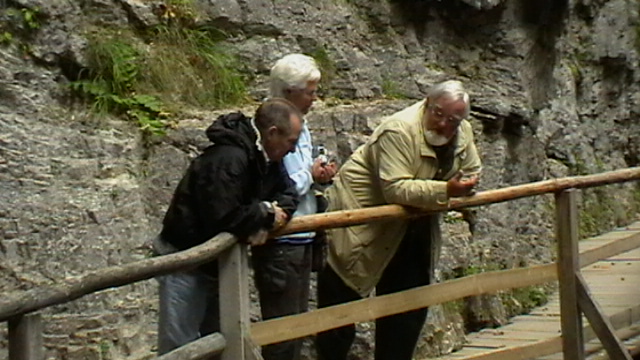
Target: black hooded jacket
<point>222,189</point>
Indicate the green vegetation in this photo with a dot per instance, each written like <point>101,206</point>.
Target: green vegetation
<point>391,89</point>
<point>326,65</point>
<point>6,38</point>
<point>30,18</point>
<point>18,22</point>
<point>522,300</point>
<point>111,82</point>
<point>148,77</point>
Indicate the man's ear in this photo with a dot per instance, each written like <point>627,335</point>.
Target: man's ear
<point>272,131</point>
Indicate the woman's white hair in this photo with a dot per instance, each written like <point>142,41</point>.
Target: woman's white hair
<point>293,71</point>
<point>452,89</point>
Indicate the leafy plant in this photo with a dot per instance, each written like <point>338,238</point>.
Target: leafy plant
<point>6,38</point>
<point>30,18</point>
<point>190,66</point>
<point>113,74</point>
<point>173,64</point>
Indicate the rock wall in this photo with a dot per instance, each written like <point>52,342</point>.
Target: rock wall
<point>554,92</point>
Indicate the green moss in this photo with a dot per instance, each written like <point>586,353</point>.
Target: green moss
<point>522,300</point>
<point>391,89</point>
<point>455,306</point>
<point>597,212</point>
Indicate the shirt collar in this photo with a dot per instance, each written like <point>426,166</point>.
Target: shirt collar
<point>259,141</point>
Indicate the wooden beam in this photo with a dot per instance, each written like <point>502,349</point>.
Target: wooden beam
<point>568,266</point>
<point>361,216</point>
<point>296,326</point>
<point>548,346</point>
<point>234,301</point>
<point>627,241</point>
<point>200,349</point>
<point>522,352</point>
<point>252,350</point>
<point>600,323</point>
<point>25,337</point>
<point>76,287</point>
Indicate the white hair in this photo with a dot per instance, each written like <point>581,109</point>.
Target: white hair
<point>452,89</point>
<point>293,71</point>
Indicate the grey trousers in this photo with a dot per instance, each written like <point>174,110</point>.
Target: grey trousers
<point>189,303</point>
<point>188,308</point>
<point>281,273</point>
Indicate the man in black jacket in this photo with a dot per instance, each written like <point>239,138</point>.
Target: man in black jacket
<point>237,185</point>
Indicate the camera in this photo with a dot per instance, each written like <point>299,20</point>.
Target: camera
<point>323,154</point>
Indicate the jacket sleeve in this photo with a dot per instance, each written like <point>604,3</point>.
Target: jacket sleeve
<point>395,157</point>
<point>286,194</point>
<point>221,185</point>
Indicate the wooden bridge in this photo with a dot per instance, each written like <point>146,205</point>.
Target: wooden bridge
<point>598,277</point>
<point>614,283</point>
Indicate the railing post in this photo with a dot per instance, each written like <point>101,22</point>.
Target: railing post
<point>568,267</point>
<point>234,301</point>
<point>25,337</point>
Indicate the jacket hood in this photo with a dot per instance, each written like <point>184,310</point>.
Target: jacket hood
<point>233,129</point>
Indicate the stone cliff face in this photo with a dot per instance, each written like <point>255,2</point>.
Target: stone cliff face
<point>554,87</point>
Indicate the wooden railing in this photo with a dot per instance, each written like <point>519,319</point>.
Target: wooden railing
<point>239,339</point>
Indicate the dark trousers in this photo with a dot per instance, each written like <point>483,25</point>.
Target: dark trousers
<point>281,273</point>
<point>396,335</point>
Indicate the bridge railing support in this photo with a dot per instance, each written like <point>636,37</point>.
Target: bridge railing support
<point>235,303</point>
<point>574,293</point>
<point>25,337</point>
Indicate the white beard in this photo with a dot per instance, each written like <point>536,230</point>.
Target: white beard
<point>435,139</point>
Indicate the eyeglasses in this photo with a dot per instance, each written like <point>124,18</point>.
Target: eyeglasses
<point>309,93</point>
<point>436,112</point>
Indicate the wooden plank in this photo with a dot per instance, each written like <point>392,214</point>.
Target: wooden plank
<point>252,350</point>
<point>25,337</point>
<point>234,305</point>
<point>200,349</point>
<point>295,326</point>
<point>568,264</point>
<point>525,335</point>
<point>609,249</point>
<point>599,323</point>
<point>522,352</point>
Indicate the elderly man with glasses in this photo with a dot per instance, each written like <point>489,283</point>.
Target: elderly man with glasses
<point>417,157</point>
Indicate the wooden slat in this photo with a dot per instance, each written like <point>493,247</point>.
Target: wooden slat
<point>25,337</point>
<point>568,264</point>
<point>599,323</point>
<point>200,349</point>
<point>295,326</point>
<point>615,247</point>
<point>234,302</point>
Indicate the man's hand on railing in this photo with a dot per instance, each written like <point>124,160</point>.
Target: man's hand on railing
<point>461,185</point>
<point>280,218</point>
<point>258,238</point>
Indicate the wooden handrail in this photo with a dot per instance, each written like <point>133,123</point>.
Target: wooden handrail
<point>294,326</point>
<point>76,287</point>
<point>281,329</point>
<point>355,217</point>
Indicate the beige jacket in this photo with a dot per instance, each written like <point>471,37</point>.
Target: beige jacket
<point>395,166</point>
